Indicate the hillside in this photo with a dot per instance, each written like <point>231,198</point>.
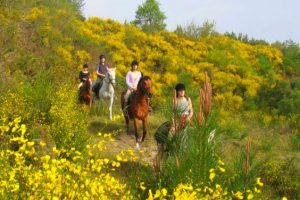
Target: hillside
<point>256,94</point>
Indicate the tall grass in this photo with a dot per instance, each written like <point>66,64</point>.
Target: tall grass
<point>197,156</point>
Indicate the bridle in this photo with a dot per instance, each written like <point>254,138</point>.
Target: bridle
<point>110,81</point>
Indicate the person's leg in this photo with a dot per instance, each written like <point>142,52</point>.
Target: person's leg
<point>96,87</point>
<point>126,97</point>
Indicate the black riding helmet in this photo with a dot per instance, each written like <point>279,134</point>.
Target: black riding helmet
<point>134,63</point>
<point>179,87</point>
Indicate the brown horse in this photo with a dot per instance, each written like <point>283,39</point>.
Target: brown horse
<point>138,107</point>
<point>85,93</point>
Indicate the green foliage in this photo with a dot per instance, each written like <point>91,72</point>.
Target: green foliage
<point>242,177</point>
<point>196,149</point>
<point>283,178</point>
<point>291,57</point>
<point>149,17</point>
<point>194,32</point>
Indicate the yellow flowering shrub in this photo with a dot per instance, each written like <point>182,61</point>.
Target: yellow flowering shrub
<point>28,174</point>
<point>68,125</point>
<point>206,191</point>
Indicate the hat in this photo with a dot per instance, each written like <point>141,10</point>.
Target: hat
<point>179,87</point>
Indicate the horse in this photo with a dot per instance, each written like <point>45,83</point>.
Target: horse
<point>85,93</point>
<point>107,89</point>
<point>137,107</point>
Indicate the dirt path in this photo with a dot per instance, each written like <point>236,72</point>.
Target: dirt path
<point>124,141</point>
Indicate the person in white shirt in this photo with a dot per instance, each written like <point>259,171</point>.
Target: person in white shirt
<point>132,79</point>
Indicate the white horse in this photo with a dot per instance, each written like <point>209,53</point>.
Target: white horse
<point>107,90</point>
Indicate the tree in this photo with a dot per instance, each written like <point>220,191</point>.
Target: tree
<point>149,17</point>
<point>194,31</point>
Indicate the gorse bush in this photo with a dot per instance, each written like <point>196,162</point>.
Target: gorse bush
<point>30,174</point>
<point>68,120</point>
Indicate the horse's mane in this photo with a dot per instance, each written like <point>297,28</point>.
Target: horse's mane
<point>144,78</point>
<point>87,84</point>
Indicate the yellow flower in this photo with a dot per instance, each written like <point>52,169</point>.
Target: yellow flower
<point>221,169</point>
<point>258,182</point>
<point>212,175</point>
<point>284,198</point>
<point>257,190</point>
<point>150,196</point>
<point>142,186</point>
<point>220,162</point>
<point>250,196</point>
<point>238,195</point>
<point>164,192</point>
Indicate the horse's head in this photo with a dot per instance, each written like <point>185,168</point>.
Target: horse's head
<point>145,86</point>
<point>111,76</point>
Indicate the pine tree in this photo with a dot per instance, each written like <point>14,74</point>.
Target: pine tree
<point>149,17</point>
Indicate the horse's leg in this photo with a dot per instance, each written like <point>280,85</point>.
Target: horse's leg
<point>127,124</point>
<point>110,106</point>
<point>135,122</point>
<point>144,129</point>
<point>90,100</point>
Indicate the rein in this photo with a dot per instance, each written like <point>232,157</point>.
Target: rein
<point>110,82</point>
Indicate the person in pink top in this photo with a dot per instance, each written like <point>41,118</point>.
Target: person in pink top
<point>132,79</point>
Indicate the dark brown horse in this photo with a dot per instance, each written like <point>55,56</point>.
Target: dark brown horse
<point>138,107</point>
<point>85,93</point>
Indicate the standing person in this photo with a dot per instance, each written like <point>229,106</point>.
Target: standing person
<point>183,108</point>
<point>170,135</point>
<point>132,79</point>
<point>101,71</point>
<point>84,75</point>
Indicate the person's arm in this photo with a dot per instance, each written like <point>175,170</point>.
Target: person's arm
<point>191,112</point>
<point>99,73</point>
<point>81,78</point>
<point>128,81</point>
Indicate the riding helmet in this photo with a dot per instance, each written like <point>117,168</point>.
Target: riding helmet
<point>179,87</point>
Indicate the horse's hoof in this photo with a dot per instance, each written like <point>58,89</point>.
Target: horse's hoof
<point>140,140</point>
<point>137,146</point>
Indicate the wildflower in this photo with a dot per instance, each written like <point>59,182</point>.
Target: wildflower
<point>42,144</point>
<point>220,162</point>
<point>258,182</point>
<point>238,195</point>
<point>142,186</point>
<point>221,169</point>
<point>250,196</point>
<point>164,192</point>
<point>212,174</point>
<point>157,194</point>
<point>150,196</point>
<point>257,190</point>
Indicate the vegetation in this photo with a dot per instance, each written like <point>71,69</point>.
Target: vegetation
<point>149,17</point>
<point>49,144</point>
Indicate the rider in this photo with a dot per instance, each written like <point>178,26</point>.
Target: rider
<point>101,71</point>
<point>84,75</point>
<point>132,79</point>
<point>183,107</point>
